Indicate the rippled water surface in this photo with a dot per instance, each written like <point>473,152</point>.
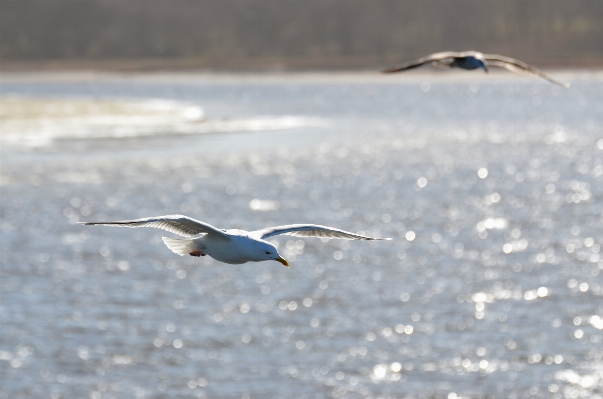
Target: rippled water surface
<point>492,286</point>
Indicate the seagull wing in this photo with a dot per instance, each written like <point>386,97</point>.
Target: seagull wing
<point>517,66</point>
<point>422,61</point>
<point>177,224</point>
<point>310,230</point>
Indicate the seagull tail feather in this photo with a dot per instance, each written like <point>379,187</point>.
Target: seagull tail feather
<point>180,246</point>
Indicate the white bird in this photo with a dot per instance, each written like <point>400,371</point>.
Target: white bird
<point>472,60</point>
<point>229,246</point>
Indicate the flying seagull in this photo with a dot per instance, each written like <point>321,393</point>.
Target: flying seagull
<point>229,246</point>
<point>472,60</point>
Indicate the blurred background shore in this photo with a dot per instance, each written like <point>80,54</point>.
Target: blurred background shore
<point>277,35</point>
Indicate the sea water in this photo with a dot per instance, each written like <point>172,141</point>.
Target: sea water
<point>491,188</point>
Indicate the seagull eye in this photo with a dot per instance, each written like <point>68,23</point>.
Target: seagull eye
<point>267,253</point>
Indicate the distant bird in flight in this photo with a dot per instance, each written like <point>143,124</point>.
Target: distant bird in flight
<point>230,246</point>
<point>472,60</point>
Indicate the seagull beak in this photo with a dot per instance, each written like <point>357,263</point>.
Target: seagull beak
<point>282,260</point>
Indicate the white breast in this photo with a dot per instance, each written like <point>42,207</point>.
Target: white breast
<point>239,249</point>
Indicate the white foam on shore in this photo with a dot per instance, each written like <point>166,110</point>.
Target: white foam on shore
<point>39,122</point>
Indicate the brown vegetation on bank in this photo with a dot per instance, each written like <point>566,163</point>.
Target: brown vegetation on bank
<point>308,34</point>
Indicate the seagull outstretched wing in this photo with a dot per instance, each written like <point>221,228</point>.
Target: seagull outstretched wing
<point>310,230</point>
<point>513,65</point>
<point>422,61</point>
<point>177,224</point>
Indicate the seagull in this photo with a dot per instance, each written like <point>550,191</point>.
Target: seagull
<point>229,246</point>
<point>472,60</point>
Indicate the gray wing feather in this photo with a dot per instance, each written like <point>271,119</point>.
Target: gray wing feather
<point>518,66</point>
<point>310,230</point>
<point>422,61</point>
<point>177,224</point>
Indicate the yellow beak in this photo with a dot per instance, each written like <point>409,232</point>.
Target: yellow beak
<point>282,260</point>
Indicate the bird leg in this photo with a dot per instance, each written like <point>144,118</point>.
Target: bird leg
<point>197,253</point>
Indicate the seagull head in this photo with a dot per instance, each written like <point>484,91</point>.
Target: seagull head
<point>476,61</point>
<point>269,252</point>
<point>481,63</point>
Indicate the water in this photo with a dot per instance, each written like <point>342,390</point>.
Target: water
<point>491,287</point>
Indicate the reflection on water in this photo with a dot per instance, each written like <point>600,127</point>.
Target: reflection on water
<point>492,287</point>
<point>31,122</point>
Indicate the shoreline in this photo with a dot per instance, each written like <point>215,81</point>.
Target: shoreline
<point>299,77</point>
<point>267,64</point>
